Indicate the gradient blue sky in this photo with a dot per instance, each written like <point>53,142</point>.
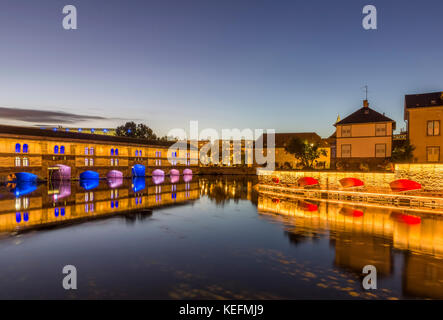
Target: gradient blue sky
<point>288,65</point>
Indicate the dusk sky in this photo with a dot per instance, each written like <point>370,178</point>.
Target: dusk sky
<point>287,65</point>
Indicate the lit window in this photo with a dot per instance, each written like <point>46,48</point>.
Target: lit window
<point>25,162</point>
<point>140,153</point>
<point>86,161</point>
<point>25,148</point>
<point>112,151</point>
<point>346,131</point>
<point>17,161</point>
<point>346,151</point>
<point>433,154</point>
<point>91,162</point>
<point>434,128</point>
<point>55,149</point>
<point>25,203</point>
<point>116,152</point>
<point>380,150</point>
<point>62,150</point>
<point>116,162</point>
<point>136,153</point>
<point>86,150</point>
<point>112,162</point>
<point>17,147</point>
<point>91,151</point>
<point>380,129</point>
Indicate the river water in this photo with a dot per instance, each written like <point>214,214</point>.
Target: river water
<point>209,238</point>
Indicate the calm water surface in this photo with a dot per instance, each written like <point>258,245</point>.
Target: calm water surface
<point>208,238</point>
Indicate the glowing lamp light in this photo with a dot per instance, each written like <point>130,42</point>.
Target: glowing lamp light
<point>307,181</point>
<point>351,212</point>
<point>406,218</point>
<point>404,185</point>
<point>351,182</point>
<point>307,206</point>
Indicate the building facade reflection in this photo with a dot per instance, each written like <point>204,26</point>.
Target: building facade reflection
<point>29,207</point>
<point>369,235</point>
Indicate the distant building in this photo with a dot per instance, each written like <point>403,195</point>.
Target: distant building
<point>285,160</point>
<point>424,114</point>
<point>364,138</point>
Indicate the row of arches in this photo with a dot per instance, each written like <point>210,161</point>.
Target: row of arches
<point>18,148</point>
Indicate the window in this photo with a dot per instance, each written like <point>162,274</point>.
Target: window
<point>346,131</point>
<point>380,150</point>
<point>91,151</point>
<point>136,153</point>
<point>380,129</point>
<point>140,153</point>
<point>17,161</point>
<point>116,152</point>
<point>433,128</point>
<point>112,162</point>
<point>17,147</point>
<point>346,151</point>
<point>433,154</point>
<point>25,162</point>
<point>86,161</point>
<point>112,151</point>
<point>116,162</point>
<point>91,162</point>
<point>55,149</point>
<point>86,150</point>
<point>62,150</point>
<point>25,148</point>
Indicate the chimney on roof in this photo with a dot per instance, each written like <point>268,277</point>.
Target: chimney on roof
<point>365,103</point>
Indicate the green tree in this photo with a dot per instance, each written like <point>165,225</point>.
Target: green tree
<point>304,151</point>
<point>133,130</point>
<point>144,132</point>
<point>402,151</point>
<point>129,129</point>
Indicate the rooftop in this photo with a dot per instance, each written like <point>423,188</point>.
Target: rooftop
<point>37,132</point>
<point>432,99</point>
<point>364,115</point>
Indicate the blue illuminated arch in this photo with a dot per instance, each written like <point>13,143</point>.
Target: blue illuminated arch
<point>25,148</point>
<point>62,150</point>
<point>55,149</point>
<point>17,147</point>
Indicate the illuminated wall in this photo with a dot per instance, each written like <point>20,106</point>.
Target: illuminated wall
<point>430,176</point>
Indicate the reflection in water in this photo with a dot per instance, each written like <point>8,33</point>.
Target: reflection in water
<point>370,235</point>
<point>222,189</point>
<point>215,237</point>
<point>28,206</point>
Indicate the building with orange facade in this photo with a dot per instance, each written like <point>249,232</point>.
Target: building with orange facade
<point>364,138</point>
<point>424,115</point>
<point>42,152</point>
